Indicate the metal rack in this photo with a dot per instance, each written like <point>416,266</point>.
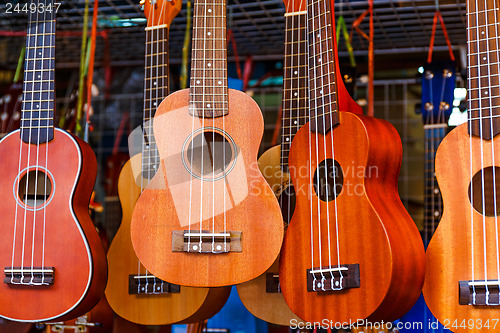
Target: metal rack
<point>401,26</point>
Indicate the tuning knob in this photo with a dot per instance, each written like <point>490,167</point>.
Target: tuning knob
<point>429,75</point>
<point>444,106</point>
<point>429,106</point>
<point>446,73</point>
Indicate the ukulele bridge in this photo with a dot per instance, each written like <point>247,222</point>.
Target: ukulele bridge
<point>206,241</point>
<point>479,292</point>
<point>150,284</point>
<point>30,276</point>
<point>273,283</point>
<point>333,278</point>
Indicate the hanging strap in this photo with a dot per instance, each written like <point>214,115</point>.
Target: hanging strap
<point>90,74</point>
<point>437,15</point>
<point>230,38</point>
<point>20,63</point>
<point>341,26</point>
<point>371,65</point>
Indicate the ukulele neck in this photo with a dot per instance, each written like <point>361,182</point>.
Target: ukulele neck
<point>208,95</point>
<point>294,81</point>
<point>483,69</point>
<point>322,84</point>
<point>37,119</point>
<point>156,87</point>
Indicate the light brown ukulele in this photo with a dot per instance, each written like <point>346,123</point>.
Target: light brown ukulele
<point>133,292</point>
<point>462,282</point>
<point>208,218</point>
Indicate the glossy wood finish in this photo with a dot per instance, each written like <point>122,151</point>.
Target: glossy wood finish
<point>375,230</point>
<point>449,254</point>
<point>149,309</point>
<point>250,204</point>
<point>77,255</point>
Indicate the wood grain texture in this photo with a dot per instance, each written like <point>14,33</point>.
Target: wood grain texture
<point>374,229</point>
<point>449,254</point>
<point>270,307</point>
<point>250,204</point>
<point>78,258</point>
<point>122,260</point>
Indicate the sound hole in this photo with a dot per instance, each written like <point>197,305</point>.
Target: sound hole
<point>287,203</point>
<point>209,153</point>
<point>38,190</point>
<point>328,180</point>
<point>489,193</point>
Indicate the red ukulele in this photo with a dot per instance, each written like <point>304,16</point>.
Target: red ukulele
<point>51,255</point>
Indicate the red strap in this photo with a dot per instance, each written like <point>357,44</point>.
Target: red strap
<point>119,134</point>
<point>437,15</point>
<point>277,127</point>
<point>90,73</point>
<point>247,71</point>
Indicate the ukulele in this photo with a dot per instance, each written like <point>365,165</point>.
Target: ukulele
<point>351,251</point>
<point>438,85</point>
<point>51,256</point>
<point>133,292</point>
<point>462,282</point>
<point>207,218</point>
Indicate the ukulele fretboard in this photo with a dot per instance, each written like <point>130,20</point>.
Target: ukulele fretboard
<point>208,97</point>
<point>322,85</point>
<point>37,120</point>
<point>295,107</point>
<point>484,68</point>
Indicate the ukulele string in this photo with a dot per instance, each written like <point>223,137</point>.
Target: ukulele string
<point>469,73</point>
<point>485,260</point>
<point>204,143</point>
<point>40,112</point>
<point>21,131</point>
<point>225,104</point>
<point>317,140</point>
<point>493,155</point>
<point>490,106</point>
<point>212,150</point>
<point>328,17</point>
<point>29,155</point>
<point>52,57</point>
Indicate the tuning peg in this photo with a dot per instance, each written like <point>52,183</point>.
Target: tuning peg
<point>446,73</point>
<point>429,106</point>
<point>444,106</point>
<point>429,75</point>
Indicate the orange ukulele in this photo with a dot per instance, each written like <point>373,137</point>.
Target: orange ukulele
<point>208,217</point>
<point>133,292</point>
<point>52,258</point>
<point>351,250</point>
<point>462,282</point>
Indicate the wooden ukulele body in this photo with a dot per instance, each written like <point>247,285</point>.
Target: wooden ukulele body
<point>449,254</point>
<point>70,242</point>
<point>374,229</point>
<point>270,307</point>
<point>189,305</point>
<point>239,202</point>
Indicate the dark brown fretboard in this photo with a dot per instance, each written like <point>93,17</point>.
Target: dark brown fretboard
<point>295,107</point>
<point>483,20</point>
<point>208,96</point>
<point>155,90</point>
<point>37,120</point>
<point>322,86</point>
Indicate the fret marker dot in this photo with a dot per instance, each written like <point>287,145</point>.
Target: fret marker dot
<point>209,33</point>
<point>209,65</point>
<point>484,58</point>
<point>209,10</point>
<point>436,213</point>
<point>208,105</point>
<point>482,32</point>
<point>198,82</point>
<point>319,35</point>
<point>295,94</point>
<point>154,166</point>
<point>147,146</point>
<point>436,191</point>
<point>39,76</point>
<point>287,139</point>
<point>295,72</point>
<point>295,122</point>
<point>319,60</point>
<point>486,93</point>
<point>220,82</point>
<point>154,83</point>
<point>154,103</point>
<point>37,106</point>
<point>321,91</point>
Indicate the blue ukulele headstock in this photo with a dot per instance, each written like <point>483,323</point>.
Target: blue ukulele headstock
<point>438,85</point>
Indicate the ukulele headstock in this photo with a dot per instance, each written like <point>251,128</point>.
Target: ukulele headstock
<point>161,12</point>
<point>438,86</point>
<point>295,5</point>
